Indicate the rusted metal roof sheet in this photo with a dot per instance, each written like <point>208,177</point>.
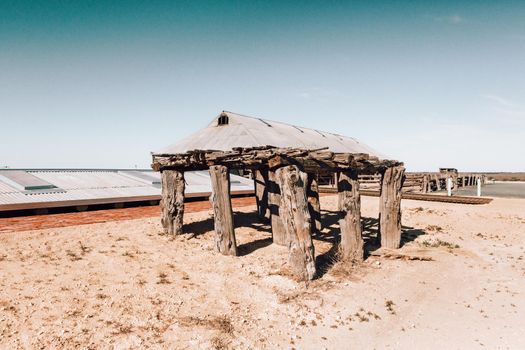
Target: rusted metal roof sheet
<point>237,130</point>
<point>84,187</point>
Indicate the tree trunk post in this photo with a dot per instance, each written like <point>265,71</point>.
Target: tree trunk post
<point>314,205</point>
<point>261,193</point>
<point>390,207</point>
<point>350,216</point>
<point>172,202</point>
<point>274,202</point>
<point>222,209</point>
<point>296,219</point>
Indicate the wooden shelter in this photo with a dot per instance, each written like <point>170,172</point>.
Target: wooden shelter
<point>286,190</point>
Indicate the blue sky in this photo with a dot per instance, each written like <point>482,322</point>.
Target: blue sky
<point>103,83</point>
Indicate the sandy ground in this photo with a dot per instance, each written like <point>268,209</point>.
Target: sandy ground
<point>121,285</point>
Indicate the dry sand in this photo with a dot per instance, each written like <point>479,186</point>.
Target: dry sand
<point>121,285</point>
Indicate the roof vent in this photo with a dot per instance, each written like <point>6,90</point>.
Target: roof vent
<point>223,120</point>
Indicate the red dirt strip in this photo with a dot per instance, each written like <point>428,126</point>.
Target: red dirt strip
<point>38,222</point>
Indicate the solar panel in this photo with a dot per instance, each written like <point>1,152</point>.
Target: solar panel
<point>22,180</point>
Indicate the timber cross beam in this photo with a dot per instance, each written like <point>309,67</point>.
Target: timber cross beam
<point>312,161</point>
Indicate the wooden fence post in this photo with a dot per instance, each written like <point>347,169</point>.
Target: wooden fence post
<point>274,202</point>
<point>222,209</point>
<point>172,202</point>
<point>390,207</point>
<point>350,216</point>
<point>261,193</point>
<point>424,185</point>
<point>296,219</point>
<point>314,206</point>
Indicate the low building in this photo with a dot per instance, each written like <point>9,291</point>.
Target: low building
<point>22,189</point>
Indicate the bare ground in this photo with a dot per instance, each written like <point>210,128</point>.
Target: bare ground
<point>458,282</point>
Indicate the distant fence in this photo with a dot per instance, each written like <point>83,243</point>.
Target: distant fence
<point>422,182</point>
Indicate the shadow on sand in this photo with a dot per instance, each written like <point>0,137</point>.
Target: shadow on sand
<point>330,233</point>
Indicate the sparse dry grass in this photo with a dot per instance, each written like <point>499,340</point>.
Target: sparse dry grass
<point>222,323</point>
<point>390,306</point>
<point>219,342</point>
<point>434,228</point>
<point>122,329</point>
<point>163,278</point>
<point>73,256</point>
<point>438,243</point>
<point>342,270</point>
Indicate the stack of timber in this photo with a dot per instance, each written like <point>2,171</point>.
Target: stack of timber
<point>286,181</point>
<point>271,157</point>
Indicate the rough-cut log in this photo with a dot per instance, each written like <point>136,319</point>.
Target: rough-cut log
<point>350,217</point>
<point>172,203</point>
<point>274,202</point>
<point>314,206</point>
<point>261,193</point>
<point>390,207</point>
<point>424,186</point>
<point>296,219</point>
<point>222,209</point>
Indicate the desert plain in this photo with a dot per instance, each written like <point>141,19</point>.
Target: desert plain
<point>458,282</point>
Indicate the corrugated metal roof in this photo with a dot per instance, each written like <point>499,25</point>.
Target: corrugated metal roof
<point>23,180</point>
<point>83,187</point>
<point>244,131</point>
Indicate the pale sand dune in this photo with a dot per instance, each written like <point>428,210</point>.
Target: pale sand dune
<point>121,285</point>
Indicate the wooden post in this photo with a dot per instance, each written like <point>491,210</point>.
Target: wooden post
<point>314,206</point>
<point>390,207</point>
<point>438,184</point>
<point>350,216</point>
<point>274,202</point>
<point>222,209</point>
<point>424,185</point>
<point>172,202</point>
<point>296,219</point>
<point>261,193</point>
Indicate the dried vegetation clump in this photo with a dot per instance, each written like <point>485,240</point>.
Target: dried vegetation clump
<point>436,243</point>
<point>222,323</point>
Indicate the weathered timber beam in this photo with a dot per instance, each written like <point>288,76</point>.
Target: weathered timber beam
<point>222,209</point>
<point>309,160</point>
<point>312,165</point>
<point>172,202</point>
<point>390,207</point>
<point>261,193</point>
<point>349,200</point>
<point>297,222</point>
<point>274,202</point>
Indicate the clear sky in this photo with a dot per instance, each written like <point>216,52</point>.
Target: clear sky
<point>103,83</point>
